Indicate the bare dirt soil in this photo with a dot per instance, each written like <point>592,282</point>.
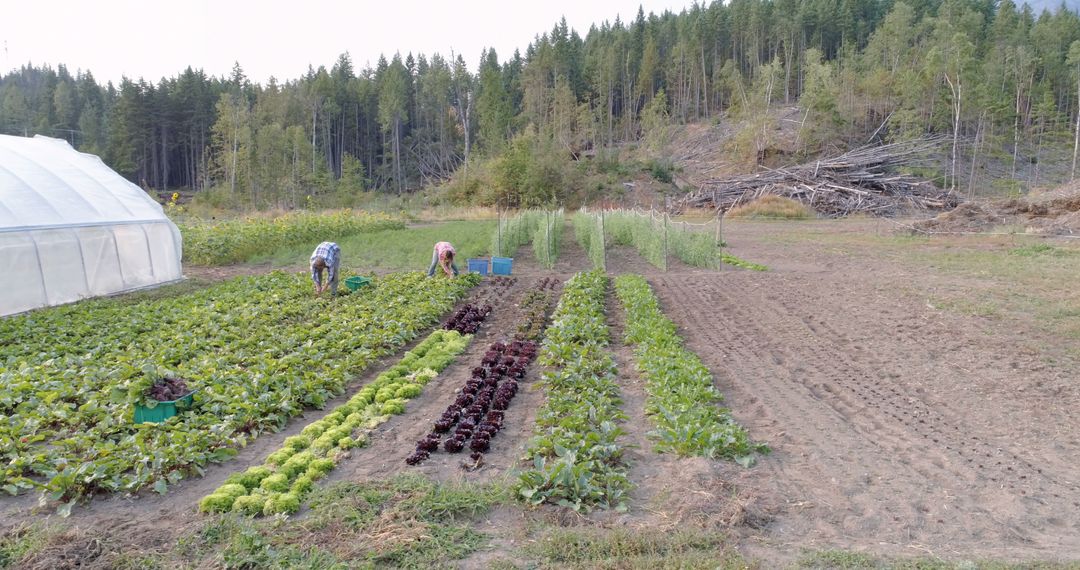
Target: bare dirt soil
<point>897,428</point>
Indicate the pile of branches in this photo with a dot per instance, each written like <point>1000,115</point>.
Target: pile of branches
<point>862,180</point>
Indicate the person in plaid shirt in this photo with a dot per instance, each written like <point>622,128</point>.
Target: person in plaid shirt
<point>327,256</point>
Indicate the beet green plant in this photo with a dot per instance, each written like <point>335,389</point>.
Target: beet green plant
<point>577,459</point>
<point>681,399</point>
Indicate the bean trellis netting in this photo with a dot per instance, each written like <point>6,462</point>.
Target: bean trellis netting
<point>589,231</point>
<point>541,227</point>
<point>547,237</point>
<point>654,234</point>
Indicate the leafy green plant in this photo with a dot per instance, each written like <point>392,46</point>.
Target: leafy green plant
<point>733,261</point>
<point>288,474</point>
<point>681,398</point>
<point>258,350</point>
<point>230,241</point>
<point>661,169</point>
<point>577,460</point>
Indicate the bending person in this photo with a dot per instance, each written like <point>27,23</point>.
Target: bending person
<point>443,257</point>
<point>326,257</point>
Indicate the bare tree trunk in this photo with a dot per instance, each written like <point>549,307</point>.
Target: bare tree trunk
<point>704,81</point>
<point>974,156</point>
<point>957,93</point>
<point>164,158</point>
<point>1076,138</point>
<point>1038,152</point>
<point>1016,132</point>
<point>235,151</point>
<point>397,154</point>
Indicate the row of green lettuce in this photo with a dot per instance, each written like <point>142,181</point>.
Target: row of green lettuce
<point>680,396</point>
<point>258,350</point>
<point>240,239</point>
<point>281,484</point>
<point>577,460</point>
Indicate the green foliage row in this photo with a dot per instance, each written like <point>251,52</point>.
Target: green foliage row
<point>541,227</point>
<point>240,239</point>
<point>681,399</point>
<point>733,261</point>
<point>288,475</point>
<point>623,227</point>
<point>693,247</point>
<point>577,461</point>
<point>259,350</point>
<point>589,231</point>
<point>654,238</point>
<point>547,236</point>
<point>397,249</point>
<point>512,233</point>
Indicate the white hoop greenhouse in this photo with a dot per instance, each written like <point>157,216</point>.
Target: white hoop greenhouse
<point>72,228</point>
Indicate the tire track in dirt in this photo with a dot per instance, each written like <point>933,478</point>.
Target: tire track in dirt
<point>863,456</point>
<point>917,415</point>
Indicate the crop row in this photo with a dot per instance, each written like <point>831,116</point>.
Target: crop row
<point>514,232</point>
<point>258,351</point>
<point>541,227</point>
<point>655,237</point>
<point>680,396</point>
<point>468,318</point>
<point>477,412</point>
<point>589,231</point>
<point>281,484</point>
<point>535,307</point>
<point>548,237</point>
<point>230,241</point>
<point>577,459</point>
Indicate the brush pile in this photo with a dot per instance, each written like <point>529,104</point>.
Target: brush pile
<point>863,180</point>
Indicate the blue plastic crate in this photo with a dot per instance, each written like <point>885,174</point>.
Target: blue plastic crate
<point>501,265</point>
<point>479,265</point>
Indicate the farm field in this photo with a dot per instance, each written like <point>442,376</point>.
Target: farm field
<point>917,396</point>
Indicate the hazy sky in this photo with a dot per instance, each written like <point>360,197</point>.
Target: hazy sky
<point>152,38</point>
<point>1051,5</point>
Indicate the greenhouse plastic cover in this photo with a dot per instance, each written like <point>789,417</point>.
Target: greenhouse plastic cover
<point>72,228</point>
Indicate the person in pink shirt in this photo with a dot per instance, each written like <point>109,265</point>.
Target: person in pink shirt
<point>443,257</point>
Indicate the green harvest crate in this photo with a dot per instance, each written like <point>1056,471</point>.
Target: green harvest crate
<point>355,282</point>
<point>163,410</point>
